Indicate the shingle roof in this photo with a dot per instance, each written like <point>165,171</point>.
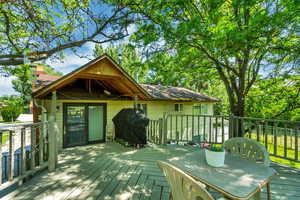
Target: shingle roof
<point>160,92</point>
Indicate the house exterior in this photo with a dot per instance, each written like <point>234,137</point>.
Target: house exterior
<point>84,101</point>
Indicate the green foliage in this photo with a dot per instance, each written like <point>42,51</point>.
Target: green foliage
<point>51,71</point>
<point>129,57</point>
<point>45,28</point>
<point>277,97</point>
<point>216,148</point>
<point>14,107</point>
<point>238,39</point>
<point>23,81</point>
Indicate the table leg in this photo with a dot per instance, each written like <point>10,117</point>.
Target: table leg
<point>268,191</point>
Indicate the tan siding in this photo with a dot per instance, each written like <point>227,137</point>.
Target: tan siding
<point>156,109</point>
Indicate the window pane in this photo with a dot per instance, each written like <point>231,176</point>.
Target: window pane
<point>176,107</point>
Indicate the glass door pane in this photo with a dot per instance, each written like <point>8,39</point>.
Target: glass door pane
<point>75,126</point>
<point>95,123</point>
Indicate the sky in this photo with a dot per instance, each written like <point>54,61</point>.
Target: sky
<point>66,65</point>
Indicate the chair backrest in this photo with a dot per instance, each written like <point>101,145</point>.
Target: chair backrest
<point>182,185</point>
<point>247,149</point>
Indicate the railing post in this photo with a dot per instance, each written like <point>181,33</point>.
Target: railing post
<point>11,156</point>
<point>41,144</point>
<point>1,157</point>
<point>52,136</point>
<point>33,146</point>
<point>52,145</point>
<point>232,126</point>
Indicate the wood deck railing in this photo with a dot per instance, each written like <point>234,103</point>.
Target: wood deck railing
<point>24,150</point>
<point>280,137</point>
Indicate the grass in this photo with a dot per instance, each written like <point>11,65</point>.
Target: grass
<point>4,138</point>
<point>290,152</point>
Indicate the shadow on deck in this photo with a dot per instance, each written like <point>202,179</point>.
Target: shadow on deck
<point>110,171</point>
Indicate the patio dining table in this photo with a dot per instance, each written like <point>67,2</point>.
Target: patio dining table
<point>238,179</point>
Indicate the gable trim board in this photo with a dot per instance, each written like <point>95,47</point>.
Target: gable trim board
<point>64,80</point>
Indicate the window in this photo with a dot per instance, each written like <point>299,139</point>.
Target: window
<point>178,107</point>
<point>200,109</point>
<point>143,107</point>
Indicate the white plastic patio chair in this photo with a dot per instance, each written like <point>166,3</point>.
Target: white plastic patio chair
<point>183,186</point>
<point>248,149</point>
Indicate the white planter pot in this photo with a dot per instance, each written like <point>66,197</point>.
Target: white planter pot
<point>215,159</point>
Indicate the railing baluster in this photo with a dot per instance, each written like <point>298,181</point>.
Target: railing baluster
<point>210,135</point>
<point>216,130</point>
<point>204,127</point>
<point>285,140</point>
<point>198,127</point>
<point>32,147</point>
<point>237,124</point>
<point>257,131</point>
<point>187,128</point>
<point>11,157</point>
<point>176,129</point>
<point>275,139</point>
<point>242,127</point>
<point>223,134</point>
<point>171,127</point>
<point>23,151</point>
<point>181,134</point>
<point>296,144</point>
<point>266,135</point>
<point>193,128</point>
<point>152,131</point>
<point>1,157</point>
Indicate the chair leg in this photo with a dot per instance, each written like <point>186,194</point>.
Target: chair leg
<point>268,191</point>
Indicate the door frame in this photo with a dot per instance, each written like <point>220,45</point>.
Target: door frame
<point>86,132</point>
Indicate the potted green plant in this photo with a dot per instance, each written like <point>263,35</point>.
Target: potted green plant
<point>215,155</point>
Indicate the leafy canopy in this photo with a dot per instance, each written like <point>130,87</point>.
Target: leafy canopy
<point>41,29</point>
<point>239,38</point>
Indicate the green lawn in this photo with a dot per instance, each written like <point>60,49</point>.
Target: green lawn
<point>4,138</point>
<point>280,149</point>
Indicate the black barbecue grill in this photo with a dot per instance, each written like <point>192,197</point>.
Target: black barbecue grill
<point>130,126</point>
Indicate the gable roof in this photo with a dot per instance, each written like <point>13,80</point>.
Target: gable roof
<point>150,92</point>
<point>74,74</point>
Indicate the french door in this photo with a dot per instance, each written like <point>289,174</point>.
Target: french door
<point>84,123</point>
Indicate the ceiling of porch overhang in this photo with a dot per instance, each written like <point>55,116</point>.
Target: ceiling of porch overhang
<point>100,76</point>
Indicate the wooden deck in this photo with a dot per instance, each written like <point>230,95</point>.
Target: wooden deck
<point>110,171</point>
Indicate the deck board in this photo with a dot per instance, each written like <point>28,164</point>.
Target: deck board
<point>110,171</point>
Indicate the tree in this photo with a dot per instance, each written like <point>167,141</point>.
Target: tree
<point>275,98</point>
<point>23,80</point>
<point>41,29</point>
<point>13,107</point>
<point>129,58</point>
<point>239,38</point>
<point>179,69</point>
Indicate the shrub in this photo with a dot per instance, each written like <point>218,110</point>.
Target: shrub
<point>13,108</point>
